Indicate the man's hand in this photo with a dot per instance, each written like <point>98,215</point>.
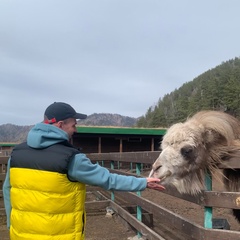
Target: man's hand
<point>153,183</point>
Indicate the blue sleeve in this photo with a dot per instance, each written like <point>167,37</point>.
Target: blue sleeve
<point>83,170</point>
<point>6,194</point>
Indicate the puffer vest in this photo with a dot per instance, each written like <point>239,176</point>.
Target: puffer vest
<point>46,205</point>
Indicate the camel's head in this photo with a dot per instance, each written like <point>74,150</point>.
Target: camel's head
<point>199,144</point>
<point>180,162</point>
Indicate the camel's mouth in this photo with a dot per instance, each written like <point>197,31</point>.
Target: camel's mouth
<point>162,177</point>
<point>167,174</point>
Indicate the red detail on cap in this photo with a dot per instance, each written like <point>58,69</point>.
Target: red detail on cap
<point>50,121</point>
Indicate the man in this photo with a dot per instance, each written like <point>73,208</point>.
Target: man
<point>45,186</point>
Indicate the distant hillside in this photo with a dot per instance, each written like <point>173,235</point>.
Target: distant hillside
<point>107,119</point>
<point>15,133</point>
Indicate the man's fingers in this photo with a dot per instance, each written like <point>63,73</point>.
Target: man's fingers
<point>153,180</point>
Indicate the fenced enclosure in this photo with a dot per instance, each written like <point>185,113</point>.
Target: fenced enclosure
<point>147,217</point>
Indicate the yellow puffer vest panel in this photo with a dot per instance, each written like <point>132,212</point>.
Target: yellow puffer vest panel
<point>45,204</point>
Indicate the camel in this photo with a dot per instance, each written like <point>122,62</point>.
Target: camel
<point>198,145</point>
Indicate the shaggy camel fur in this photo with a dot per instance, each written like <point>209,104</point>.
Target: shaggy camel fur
<point>198,145</point>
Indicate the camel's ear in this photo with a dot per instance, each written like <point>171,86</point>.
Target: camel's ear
<point>208,136</point>
<point>212,137</point>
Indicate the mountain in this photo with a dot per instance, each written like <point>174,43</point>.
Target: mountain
<point>15,133</point>
<point>107,119</point>
<point>215,89</point>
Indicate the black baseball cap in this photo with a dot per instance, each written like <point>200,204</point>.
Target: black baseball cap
<point>59,111</point>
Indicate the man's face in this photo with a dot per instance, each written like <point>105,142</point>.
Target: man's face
<point>69,126</point>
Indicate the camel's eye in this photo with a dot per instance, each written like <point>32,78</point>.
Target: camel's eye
<point>187,152</point>
<point>158,168</point>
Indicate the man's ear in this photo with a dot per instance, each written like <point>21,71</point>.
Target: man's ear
<point>59,124</point>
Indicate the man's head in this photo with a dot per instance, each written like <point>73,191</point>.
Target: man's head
<point>62,115</point>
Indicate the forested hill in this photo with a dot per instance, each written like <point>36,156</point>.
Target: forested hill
<point>216,89</point>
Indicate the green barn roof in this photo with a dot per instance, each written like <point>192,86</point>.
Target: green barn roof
<point>121,130</point>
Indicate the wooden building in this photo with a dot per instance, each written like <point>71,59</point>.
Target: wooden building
<point>117,139</point>
<point>6,148</point>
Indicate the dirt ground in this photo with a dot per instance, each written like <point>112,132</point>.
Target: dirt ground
<point>100,227</point>
<point>96,226</point>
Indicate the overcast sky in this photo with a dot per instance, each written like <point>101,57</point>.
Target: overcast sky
<point>107,56</point>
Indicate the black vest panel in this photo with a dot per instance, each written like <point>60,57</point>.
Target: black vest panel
<point>54,158</point>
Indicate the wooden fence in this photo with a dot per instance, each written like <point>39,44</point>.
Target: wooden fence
<point>206,199</point>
